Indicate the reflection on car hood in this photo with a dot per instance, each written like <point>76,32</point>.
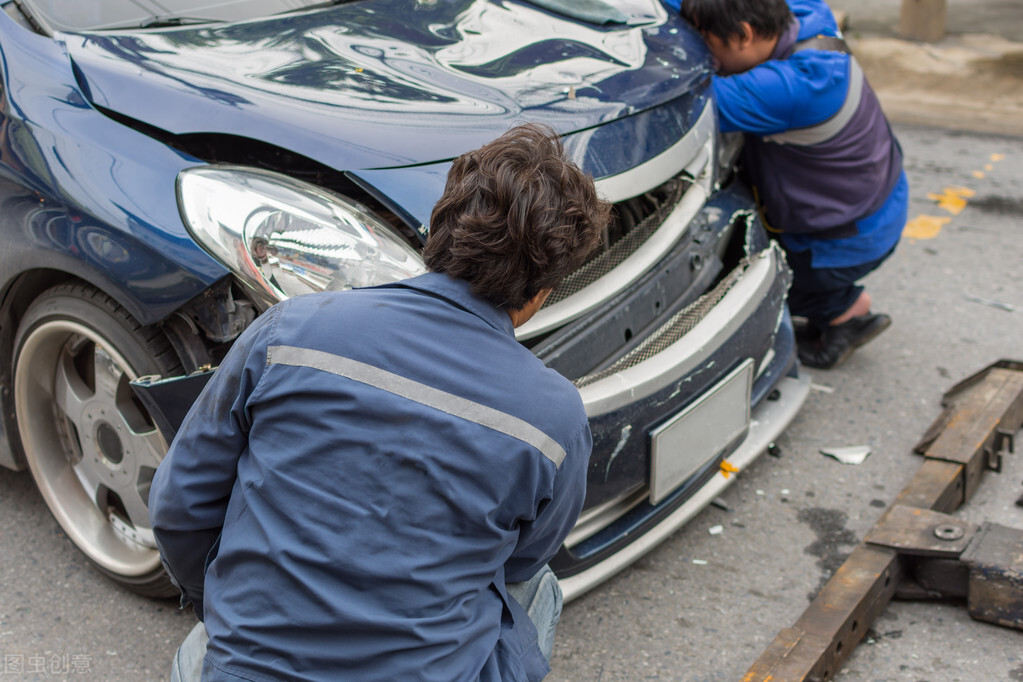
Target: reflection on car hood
<point>387,83</point>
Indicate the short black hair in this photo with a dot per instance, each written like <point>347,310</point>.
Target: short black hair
<point>723,18</point>
<point>516,216</point>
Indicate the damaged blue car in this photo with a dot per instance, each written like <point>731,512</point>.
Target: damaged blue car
<point>169,170</point>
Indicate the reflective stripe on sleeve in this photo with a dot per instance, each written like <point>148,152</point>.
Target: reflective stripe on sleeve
<point>823,132</point>
<point>420,393</point>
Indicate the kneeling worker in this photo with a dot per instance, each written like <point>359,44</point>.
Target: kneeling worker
<point>819,152</point>
<point>373,482</point>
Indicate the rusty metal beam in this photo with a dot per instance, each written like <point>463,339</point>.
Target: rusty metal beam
<point>815,647</point>
<point>980,411</point>
<point>936,485</point>
<point>981,419</point>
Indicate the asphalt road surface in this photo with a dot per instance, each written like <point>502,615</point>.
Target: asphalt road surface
<point>701,606</point>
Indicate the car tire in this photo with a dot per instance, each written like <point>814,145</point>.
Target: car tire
<point>90,445</point>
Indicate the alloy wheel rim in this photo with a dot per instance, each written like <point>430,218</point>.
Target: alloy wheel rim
<point>91,447</point>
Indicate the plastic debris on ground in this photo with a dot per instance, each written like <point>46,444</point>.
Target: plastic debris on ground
<point>854,454</point>
<point>715,530</point>
<point>1008,307</point>
<point>720,504</point>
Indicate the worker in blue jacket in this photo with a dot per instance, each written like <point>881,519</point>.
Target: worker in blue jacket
<point>372,483</point>
<point>823,161</point>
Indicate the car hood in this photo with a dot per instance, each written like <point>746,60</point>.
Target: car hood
<point>392,83</point>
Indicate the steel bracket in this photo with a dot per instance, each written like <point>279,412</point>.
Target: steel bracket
<point>945,557</point>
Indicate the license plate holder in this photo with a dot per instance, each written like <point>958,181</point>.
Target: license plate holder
<point>683,445</point>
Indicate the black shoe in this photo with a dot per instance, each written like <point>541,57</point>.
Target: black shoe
<point>805,332</point>
<point>836,343</point>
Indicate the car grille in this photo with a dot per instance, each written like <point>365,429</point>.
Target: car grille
<point>655,204</point>
<point>674,329</point>
<point>635,221</point>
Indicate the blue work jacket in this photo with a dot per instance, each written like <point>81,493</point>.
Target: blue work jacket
<point>843,196</point>
<point>358,481</point>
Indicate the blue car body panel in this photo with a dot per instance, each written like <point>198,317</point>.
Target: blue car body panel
<point>602,152</point>
<point>85,195</point>
<point>390,82</point>
<point>333,85</point>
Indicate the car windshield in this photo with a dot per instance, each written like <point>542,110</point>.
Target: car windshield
<point>93,15</point>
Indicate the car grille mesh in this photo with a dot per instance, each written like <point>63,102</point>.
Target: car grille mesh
<point>635,221</point>
<point>680,324</point>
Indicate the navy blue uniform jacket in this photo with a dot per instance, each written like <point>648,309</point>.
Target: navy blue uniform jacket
<point>359,480</point>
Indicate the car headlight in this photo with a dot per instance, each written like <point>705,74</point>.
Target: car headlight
<point>284,237</point>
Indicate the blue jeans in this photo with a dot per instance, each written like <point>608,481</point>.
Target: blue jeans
<point>187,663</point>
<point>540,596</point>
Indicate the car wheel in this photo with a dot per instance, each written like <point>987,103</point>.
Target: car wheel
<point>89,443</point>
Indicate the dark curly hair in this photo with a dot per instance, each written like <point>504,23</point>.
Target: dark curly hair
<point>515,218</point>
<point>723,18</point>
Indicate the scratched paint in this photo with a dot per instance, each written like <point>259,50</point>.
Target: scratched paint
<point>622,440</point>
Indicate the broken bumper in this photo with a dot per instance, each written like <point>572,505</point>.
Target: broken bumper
<point>768,421</point>
<point>747,335</point>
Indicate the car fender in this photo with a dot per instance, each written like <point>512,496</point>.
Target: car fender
<point>83,194</point>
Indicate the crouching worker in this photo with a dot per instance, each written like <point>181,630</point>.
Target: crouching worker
<point>825,165</point>
<point>374,480</point>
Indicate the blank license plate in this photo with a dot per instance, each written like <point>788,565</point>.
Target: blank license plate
<point>698,434</point>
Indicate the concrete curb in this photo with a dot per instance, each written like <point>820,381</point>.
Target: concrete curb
<point>968,82</point>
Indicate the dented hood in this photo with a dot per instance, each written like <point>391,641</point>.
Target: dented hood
<point>391,83</point>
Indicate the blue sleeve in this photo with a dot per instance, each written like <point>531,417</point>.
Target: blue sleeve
<point>540,539</point>
<point>814,16</point>
<point>781,95</point>
<point>191,488</point>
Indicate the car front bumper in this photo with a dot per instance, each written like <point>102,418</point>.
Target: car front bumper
<point>769,420</point>
<point>738,326</point>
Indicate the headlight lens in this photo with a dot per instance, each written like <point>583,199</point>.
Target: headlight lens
<point>284,237</point>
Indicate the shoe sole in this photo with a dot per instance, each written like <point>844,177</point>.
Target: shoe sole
<point>882,324</point>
